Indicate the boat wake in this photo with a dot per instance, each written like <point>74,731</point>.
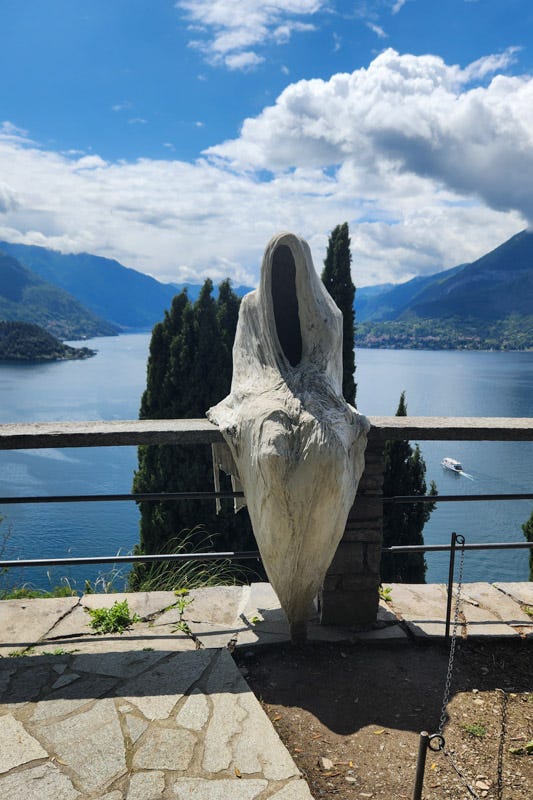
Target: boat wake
<point>466,475</point>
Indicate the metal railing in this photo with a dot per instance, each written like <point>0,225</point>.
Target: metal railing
<point>193,432</point>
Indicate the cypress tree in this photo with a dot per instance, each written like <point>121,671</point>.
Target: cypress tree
<point>527,527</point>
<point>337,279</point>
<point>189,369</point>
<point>227,316</point>
<point>403,523</point>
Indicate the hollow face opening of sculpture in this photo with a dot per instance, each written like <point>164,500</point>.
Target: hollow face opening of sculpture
<point>285,304</point>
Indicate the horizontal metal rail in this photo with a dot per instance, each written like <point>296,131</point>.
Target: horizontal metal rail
<point>231,555</point>
<point>455,498</point>
<point>236,556</point>
<point>435,548</point>
<point>153,497</point>
<point>157,497</point>
<point>130,559</point>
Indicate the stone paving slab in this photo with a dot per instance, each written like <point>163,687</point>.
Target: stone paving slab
<point>244,616</point>
<point>265,623</point>
<point>485,610</point>
<point>144,604</point>
<point>500,605</point>
<point>141,635</point>
<point>422,607</point>
<point>23,622</point>
<point>147,605</point>
<point>162,710</point>
<point>521,592</point>
<point>483,623</point>
<point>138,725</point>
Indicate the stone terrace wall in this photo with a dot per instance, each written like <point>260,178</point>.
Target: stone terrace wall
<point>350,593</point>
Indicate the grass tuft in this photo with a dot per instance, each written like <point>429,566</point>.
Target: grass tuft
<point>172,576</point>
<point>475,729</point>
<point>112,620</point>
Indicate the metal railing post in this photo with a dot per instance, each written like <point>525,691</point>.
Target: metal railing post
<point>423,744</point>
<point>450,587</point>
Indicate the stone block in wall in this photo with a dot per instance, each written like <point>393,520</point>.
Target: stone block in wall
<point>372,557</point>
<point>359,532</point>
<point>366,509</point>
<point>359,559</point>
<point>350,593</point>
<point>349,608</point>
<point>352,582</point>
<point>373,487</point>
<point>349,558</point>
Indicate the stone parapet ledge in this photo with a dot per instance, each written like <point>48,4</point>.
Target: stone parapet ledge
<point>36,435</point>
<point>350,593</point>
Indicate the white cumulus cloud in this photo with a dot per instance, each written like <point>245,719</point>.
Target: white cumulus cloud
<point>8,199</point>
<point>429,163</point>
<point>404,114</point>
<point>229,34</point>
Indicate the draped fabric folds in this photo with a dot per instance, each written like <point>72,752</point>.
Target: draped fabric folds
<point>297,445</point>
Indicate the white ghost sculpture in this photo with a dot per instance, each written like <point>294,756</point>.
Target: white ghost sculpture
<point>297,445</point>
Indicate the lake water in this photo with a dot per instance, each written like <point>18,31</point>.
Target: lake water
<point>109,387</point>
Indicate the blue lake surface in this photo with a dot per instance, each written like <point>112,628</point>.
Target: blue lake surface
<point>463,384</point>
<point>109,387</point>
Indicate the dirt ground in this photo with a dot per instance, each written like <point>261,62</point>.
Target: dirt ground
<point>351,717</point>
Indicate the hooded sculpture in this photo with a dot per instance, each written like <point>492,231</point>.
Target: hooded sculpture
<point>297,445</point>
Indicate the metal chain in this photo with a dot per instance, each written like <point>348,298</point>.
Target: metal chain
<point>499,783</point>
<point>471,791</point>
<point>461,541</point>
<point>439,737</point>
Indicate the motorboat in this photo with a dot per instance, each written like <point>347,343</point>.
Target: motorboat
<point>452,464</point>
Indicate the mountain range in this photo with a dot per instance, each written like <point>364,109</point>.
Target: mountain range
<point>495,286</point>
<point>124,297</point>
<point>127,299</point>
<point>484,304</point>
<point>26,297</point>
<point>476,304</point>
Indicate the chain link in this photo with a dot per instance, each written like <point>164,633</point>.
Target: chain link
<point>438,737</point>
<point>461,541</point>
<point>499,783</point>
<point>472,792</point>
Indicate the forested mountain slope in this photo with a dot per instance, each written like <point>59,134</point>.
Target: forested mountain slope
<point>26,297</point>
<point>487,304</point>
<point>126,298</point>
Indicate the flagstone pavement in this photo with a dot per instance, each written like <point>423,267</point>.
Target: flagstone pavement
<point>162,711</point>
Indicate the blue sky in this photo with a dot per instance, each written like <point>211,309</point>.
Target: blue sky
<point>178,137</point>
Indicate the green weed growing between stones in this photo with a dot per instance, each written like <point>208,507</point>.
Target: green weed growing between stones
<point>112,620</point>
<point>385,593</point>
<point>182,603</point>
